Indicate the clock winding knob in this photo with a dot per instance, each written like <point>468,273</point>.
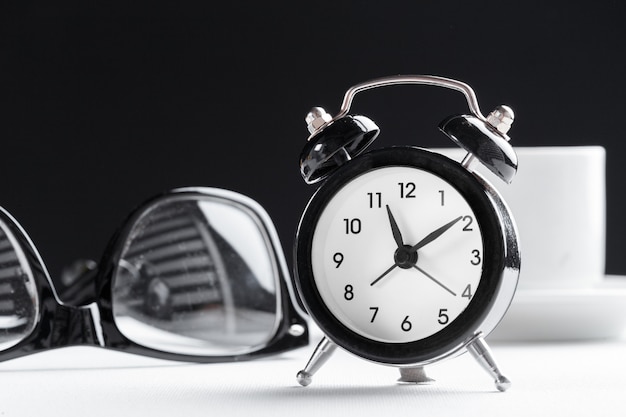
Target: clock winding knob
<point>316,118</point>
<point>501,118</point>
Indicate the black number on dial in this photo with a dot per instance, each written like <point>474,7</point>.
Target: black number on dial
<point>443,317</point>
<point>349,292</point>
<point>353,226</point>
<point>467,292</point>
<point>468,222</point>
<point>338,259</point>
<point>476,259</point>
<point>406,324</point>
<point>407,189</point>
<point>375,310</point>
<point>376,200</point>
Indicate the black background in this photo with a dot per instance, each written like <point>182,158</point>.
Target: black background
<point>102,107</point>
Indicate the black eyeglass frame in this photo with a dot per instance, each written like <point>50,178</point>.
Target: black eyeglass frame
<point>59,325</point>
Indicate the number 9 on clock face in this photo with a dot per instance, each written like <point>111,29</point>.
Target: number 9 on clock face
<point>396,252</point>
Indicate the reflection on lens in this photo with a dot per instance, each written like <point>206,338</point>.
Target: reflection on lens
<point>19,304</point>
<point>197,276</point>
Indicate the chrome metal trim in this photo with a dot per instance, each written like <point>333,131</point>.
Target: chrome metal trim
<point>432,80</point>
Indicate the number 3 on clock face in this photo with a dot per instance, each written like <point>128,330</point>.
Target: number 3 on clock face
<point>395,251</point>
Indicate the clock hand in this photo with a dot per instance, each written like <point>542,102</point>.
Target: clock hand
<point>384,274</point>
<point>434,235</point>
<point>397,236</point>
<point>434,279</point>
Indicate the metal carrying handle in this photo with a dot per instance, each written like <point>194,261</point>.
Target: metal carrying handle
<point>467,91</point>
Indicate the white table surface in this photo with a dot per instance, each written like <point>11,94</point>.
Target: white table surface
<point>566,379</point>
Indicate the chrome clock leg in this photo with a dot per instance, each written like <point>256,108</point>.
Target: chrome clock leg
<point>481,352</point>
<point>322,352</point>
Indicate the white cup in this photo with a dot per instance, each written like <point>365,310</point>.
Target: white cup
<point>558,199</point>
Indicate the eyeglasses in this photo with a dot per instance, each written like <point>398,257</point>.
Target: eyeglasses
<point>196,274</point>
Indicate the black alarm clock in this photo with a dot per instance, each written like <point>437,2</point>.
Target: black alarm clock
<point>403,256</point>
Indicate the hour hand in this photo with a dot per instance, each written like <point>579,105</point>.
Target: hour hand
<point>397,236</point>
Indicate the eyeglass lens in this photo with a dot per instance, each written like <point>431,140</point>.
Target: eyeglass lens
<point>197,276</point>
<point>19,304</point>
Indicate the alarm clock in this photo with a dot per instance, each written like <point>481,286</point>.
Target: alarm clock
<point>403,256</point>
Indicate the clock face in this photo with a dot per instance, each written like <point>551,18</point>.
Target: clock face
<point>402,254</point>
<point>397,254</point>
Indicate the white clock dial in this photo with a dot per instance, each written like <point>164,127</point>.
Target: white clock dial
<point>397,254</point>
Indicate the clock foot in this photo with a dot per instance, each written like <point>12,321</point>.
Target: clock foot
<point>322,352</point>
<point>415,375</point>
<point>481,352</point>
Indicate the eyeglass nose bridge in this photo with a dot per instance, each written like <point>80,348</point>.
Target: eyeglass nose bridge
<point>72,326</point>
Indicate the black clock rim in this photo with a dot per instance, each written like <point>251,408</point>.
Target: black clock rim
<point>460,329</point>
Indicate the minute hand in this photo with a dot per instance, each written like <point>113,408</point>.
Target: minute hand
<point>434,235</point>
